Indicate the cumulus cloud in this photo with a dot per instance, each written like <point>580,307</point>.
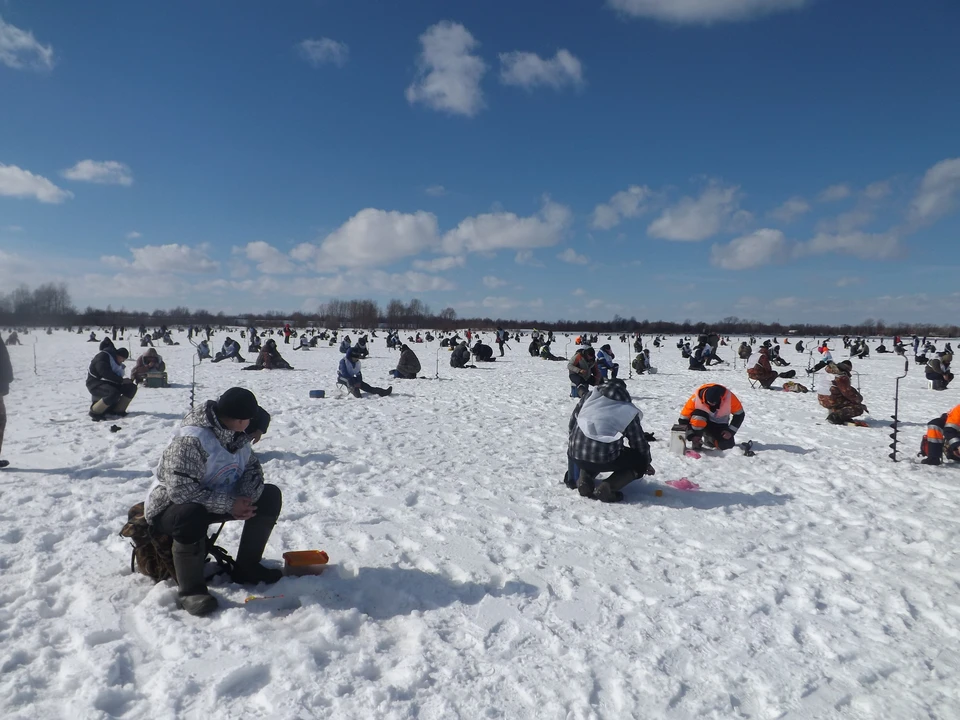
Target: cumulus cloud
<point>493,282</point>
<point>324,51</point>
<point>629,203</point>
<point>528,70</point>
<point>440,264</point>
<point>834,193</point>
<point>790,210</point>
<point>877,190</point>
<point>269,260</point>
<point>173,258</point>
<point>570,256</point>
<point>694,219</point>
<point>506,231</point>
<point>436,191</point>
<point>20,50</point>
<point>133,235</point>
<point>449,74</point>
<point>19,183</point>
<point>107,172</point>
<point>703,12</point>
<point>848,281</point>
<point>594,304</point>
<point>758,248</point>
<point>372,237</point>
<point>579,292</point>
<point>939,192</point>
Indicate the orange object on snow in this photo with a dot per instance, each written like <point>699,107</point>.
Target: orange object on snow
<point>304,562</point>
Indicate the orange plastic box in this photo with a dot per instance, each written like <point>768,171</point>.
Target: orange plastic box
<point>304,562</point>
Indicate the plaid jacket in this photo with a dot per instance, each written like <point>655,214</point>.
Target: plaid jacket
<point>580,447</point>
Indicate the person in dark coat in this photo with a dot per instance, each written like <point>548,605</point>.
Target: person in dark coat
<point>483,353</point>
<point>270,358</point>
<point>460,355</point>
<point>408,366</point>
<point>6,377</point>
<point>109,390</point>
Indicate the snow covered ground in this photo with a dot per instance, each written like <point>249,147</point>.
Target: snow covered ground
<point>815,580</point>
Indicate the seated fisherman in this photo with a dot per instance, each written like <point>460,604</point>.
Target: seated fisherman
<point>460,355</point>
<point>837,394</point>
<point>408,366</point>
<point>230,349</point>
<point>605,361</point>
<point>149,362</point>
<point>270,358</point>
<point>349,373</point>
<point>210,474</point>
<point>110,391</point>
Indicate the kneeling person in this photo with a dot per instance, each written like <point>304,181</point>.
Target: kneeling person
<point>408,366</point>
<point>110,391</point>
<point>837,394</point>
<point>713,414</point>
<point>209,474</point>
<point>943,439</point>
<point>602,420</point>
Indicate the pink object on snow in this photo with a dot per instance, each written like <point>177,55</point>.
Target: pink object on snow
<point>682,484</point>
<point>692,454</point>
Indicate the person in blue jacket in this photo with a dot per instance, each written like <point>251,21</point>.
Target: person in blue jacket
<point>349,373</point>
<point>606,364</point>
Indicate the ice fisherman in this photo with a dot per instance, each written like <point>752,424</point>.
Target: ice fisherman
<point>110,392</point>
<point>942,439</point>
<point>601,421</point>
<point>712,416</point>
<point>349,374</point>
<point>210,474</point>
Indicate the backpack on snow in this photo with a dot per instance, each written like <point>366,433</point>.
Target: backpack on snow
<point>153,553</point>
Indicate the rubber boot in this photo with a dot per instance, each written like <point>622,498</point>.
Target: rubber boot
<point>98,410</point>
<point>188,560</point>
<point>384,393</point>
<point>585,484</point>
<point>253,539</point>
<point>121,407</point>
<point>609,490</point>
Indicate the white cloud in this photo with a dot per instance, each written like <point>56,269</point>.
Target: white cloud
<point>867,246</point>
<point>127,285</point>
<point>877,190</point>
<point>436,191</point>
<point>372,237</point>
<point>20,50</point>
<point>694,219</point>
<point>570,256</point>
<point>593,304</point>
<point>939,191</point>
<point>13,228</point>
<point>323,51</point>
<point>834,193</point>
<point>108,172</point>
<point>173,258</point>
<point>270,261</point>
<point>406,282</point>
<point>505,303</point>
<point>507,231</point>
<point>790,210</point>
<point>528,70</point>
<point>758,248</point>
<point>703,12</point>
<point>786,302</point>
<point>629,203</point>
<point>448,75</point>
<point>19,183</point>
<point>848,281</point>
<point>579,292</point>
<point>440,264</point>
<point>525,257</point>
<point>493,282</point>
<point>133,235</point>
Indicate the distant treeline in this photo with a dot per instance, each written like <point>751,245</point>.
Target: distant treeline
<point>50,305</point>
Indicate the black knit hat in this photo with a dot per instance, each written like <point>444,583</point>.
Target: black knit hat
<point>237,403</point>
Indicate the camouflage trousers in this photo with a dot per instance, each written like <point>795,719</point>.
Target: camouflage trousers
<point>843,408</point>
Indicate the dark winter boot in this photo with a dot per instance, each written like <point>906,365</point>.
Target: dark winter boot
<point>355,391</point>
<point>609,490</point>
<point>188,560</point>
<point>384,393</point>
<point>835,419</point>
<point>585,484</point>
<point>253,539</point>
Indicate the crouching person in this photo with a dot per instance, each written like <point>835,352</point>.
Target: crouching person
<point>942,439</point>
<point>110,392</point>
<point>209,474</point>
<point>837,394</point>
<point>602,420</point>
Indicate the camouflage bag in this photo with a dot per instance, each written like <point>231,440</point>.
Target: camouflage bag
<point>152,554</point>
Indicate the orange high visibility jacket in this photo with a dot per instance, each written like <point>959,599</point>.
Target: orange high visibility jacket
<point>730,410</point>
<point>948,432</point>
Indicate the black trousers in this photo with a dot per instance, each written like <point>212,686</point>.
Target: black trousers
<point>187,523</point>
<point>713,430</point>
<point>110,393</point>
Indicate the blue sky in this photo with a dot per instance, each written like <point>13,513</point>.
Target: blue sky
<point>792,160</point>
